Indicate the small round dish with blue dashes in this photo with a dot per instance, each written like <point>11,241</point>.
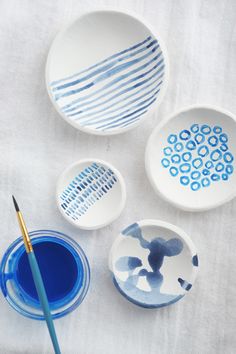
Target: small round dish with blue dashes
<point>190,158</point>
<point>91,194</point>
<point>153,263</point>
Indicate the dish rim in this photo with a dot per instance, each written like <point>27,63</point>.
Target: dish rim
<point>163,224</point>
<point>151,138</point>
<point>121,182</point>
<point>153,107</point>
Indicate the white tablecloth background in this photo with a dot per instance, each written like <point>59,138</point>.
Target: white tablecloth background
<point>36,145</point>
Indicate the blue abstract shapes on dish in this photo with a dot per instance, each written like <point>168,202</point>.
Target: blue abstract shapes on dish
<point>87,188</point>
<point>185,285</point>
<point>199,156</point>
<point>151,275</point>
<point>195,260</point>
<point>114,92</point>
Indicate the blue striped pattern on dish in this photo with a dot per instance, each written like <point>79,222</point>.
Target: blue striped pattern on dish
<point>88,187</point>
<point>114,92</point>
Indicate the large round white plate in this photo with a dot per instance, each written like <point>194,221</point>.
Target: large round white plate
<point>190,158</point>
<point>106,71</point>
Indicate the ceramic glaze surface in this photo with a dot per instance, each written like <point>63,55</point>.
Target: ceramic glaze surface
<point>190,158</point>
<point>153,266</point>
<point>198,156</point>
<point>91,194</point>
<point>124,78</point>
<point>89,186</point>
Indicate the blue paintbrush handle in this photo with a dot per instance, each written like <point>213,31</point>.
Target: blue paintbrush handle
<point>43,299</point>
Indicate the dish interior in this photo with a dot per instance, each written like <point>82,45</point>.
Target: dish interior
<point>90,194</point>
<point>191,158</point>
<point>105,71</point>
<point>152,266</point>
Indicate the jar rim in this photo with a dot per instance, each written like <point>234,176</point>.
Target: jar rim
<point>78,297</point>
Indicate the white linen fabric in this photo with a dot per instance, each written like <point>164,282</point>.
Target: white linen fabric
<point>36,145</point>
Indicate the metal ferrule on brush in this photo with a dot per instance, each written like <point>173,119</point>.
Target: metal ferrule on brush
<point>27,242</point>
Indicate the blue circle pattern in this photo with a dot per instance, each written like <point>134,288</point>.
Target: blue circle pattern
<point>199,156</point>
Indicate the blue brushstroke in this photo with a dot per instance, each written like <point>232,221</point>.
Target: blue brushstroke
<point>216,155</point>
<point>179,147</point>
<point>172,138</point>
<point>184,180</point>
<point>217,129</point>
<point>224,147</point>
<point>121,119</point>
<point>85,107</point>
<point>199,138</point>
<point>194,128</point>
<point>106,75</point>
<point>103,68</point>
<point>168,151</point>
<point>127,122</point>
<point>174,171</point>
<point>213,140</point>
<point>229,169</point>
<point>141,298</point>
<point>205,172</point>
<point>176,158</point>
<point>185,134</point>
<point>215,177</point>
<point>195,260</point>
<point>101,62</point>
<point>228,157</point>
<point>224,177</point>
<point>165,162</point>
<point>205,129</point>
<point>125,264</point>
<point>116,95</point>
<point>116,80</point>
<point>191,145</point>
<point>197,163</point>
<point>184,284</point>
<point>203,151</point>
<point>219,167</point>
<point>186,156</point>
<point>154,91</point>
<point>185,167</point>
<point>195,186</point>
<point>86,189</point>
<point>195,175</point>
<point>223,138</point>
<point>205,182</point>
<point>97,120</point>
<point>158,249</point>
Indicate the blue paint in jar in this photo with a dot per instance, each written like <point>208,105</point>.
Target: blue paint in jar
<point>60,271</point>
<point>64,269</point>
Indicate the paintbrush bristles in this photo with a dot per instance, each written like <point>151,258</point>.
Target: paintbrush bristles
<point>15,204</point>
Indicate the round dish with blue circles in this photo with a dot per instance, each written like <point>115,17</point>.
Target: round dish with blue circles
<point>106,71</point>
<point>194,153</point>
<point>153,263</point>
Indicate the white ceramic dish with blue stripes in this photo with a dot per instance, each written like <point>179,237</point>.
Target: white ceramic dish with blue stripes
<point>106,72</point>
<point>91,194</point>
<point>153,263</point>
<point>190,158</point>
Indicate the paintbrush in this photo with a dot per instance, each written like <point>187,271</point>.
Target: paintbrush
<point>38,281</point>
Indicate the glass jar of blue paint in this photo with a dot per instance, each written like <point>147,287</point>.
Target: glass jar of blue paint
<point>64,268</point>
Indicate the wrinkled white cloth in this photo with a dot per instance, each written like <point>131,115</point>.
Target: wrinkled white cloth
<point>36,145</point>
